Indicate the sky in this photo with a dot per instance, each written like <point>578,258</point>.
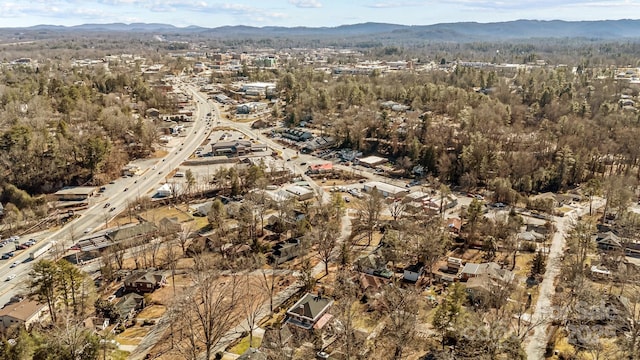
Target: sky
<point>312,13</point>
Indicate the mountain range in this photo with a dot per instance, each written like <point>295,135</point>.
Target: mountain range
<point>453,32</point>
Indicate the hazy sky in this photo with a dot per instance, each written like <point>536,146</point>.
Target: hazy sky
<point>212,13</point>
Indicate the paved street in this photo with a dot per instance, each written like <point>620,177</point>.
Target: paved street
<point>543,312</point>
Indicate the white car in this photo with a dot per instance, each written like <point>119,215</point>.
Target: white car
<point>11,277</point>
<point>15,263</point>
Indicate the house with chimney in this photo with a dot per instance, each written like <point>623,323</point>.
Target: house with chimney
<point>310,312</point>
<point>144,282</point>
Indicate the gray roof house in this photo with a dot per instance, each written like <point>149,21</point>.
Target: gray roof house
<point>309,312</point>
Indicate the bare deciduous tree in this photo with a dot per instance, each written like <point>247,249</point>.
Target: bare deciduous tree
<point>205,314</point>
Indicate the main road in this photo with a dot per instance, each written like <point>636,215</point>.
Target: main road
<point>117,195</point>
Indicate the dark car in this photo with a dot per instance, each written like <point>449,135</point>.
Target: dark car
<point>303,164</point>
<point>113,208</point>
<point>106,205</point>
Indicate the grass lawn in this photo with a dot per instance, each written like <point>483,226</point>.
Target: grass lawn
<point>165,211</point>
<point>152,312</point>
<point>243,345</point>
<point>119,355</point>
<point>362,321</point>
<point>132,335</point>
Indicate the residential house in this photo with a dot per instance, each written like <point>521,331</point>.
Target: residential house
<point>169,225</point>
<point>454,225</point>
<point>310,312</point>
<point>129,305</point>
<point>285,251</point>
<point>600,272</point>
<point>491,269</point>
<point>608,241</point>
<point>22,313</point>
<point>548,197</point>
<point>413,271</point>
<point>96,324</point>
<point>374,265</point>
<point>531,236</point>
<point>371,285</point>
<point>252,354</point>
<point>276,338</point>
<point>145,281</point>
<point>484,280</point>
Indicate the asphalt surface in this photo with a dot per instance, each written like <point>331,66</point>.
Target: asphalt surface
<point>117,195</point>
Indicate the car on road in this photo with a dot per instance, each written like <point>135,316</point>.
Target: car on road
<point>125,189</point>
<point>11,277</point>
<point>88,230</point>
<point>107,205</point>
<point>113,208</point>
<point>15,263</point>
<point>303,164</point>
<point>112,182</point>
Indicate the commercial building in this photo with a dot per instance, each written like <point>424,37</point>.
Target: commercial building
<point>372,161</point>
<point>78,193</point>
<point>259,88</point>
<point>386,190</point>
<point>237,147</point>
<point>23,313</point>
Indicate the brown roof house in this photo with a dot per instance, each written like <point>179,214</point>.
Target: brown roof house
<point>310,312</point>
<point>23,313</point>
<point>145,281</point>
